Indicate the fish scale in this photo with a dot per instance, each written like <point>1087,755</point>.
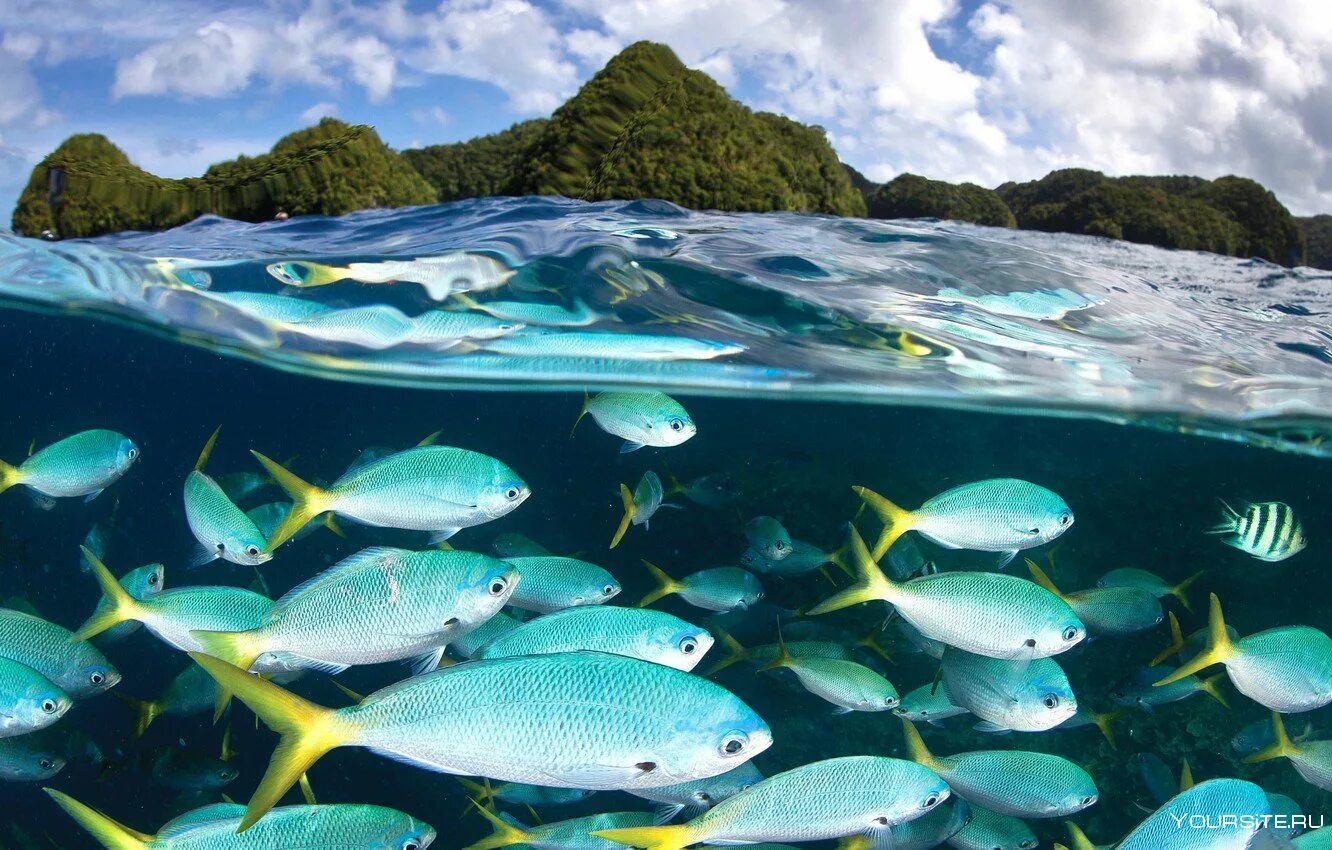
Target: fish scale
<point>80,465</point>
<point>550,583</point>
<point>174,615</point>
<point>961,517</point>
<point>222,529</point>
<point>28,700</point>
<point>1013,695</point>
<point>1288,668</point>
<point>26,758</point>
<point>52,651</point>
<point>636,632</point>
<point>1210,800</point>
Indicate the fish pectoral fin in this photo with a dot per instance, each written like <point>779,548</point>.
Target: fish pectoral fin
<point>443,534</point>
<point>631,446</point>
<point>204,554</point>
<point>93,495</point>
<point>1005,559</point>
<point>423,664</point>
<point>991,728</point>
<point>666,813</point>
<point>602,775</point>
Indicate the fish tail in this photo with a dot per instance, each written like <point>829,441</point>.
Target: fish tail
<point>331,523</point>
<point>1077,838</point>
<point>1105,722</point>
<point>1281,747</point>
<point>239,649</point>
<point>627,498</point>
<point>871,642</point>
<point>1180,591</point>
<point>9,476</point>
<point>307,731</point>
<point>1212,687</point>
<point>1176,641</point>
<point>109,834</point>
<point>838,556</point>
<point>308,274</point>
<point>734,650</point>
<point>1229,519</point>
<point>308,502</point>
<point>669,837</point>
<point>1219,648</point>
<point>1185,776</point>
<point>870,583</point>
<point>582,411</point>
<point>505,834</point>
<point>1038,575</point>
<point>117,605</point>
<point>783,658</point>
<point>673,484</point>
<point>896,520</point>
<point>307,791</point>
<point>478,792</point>
<point>207,450</point>
<point>916,749</point>
<point>145,712</point>
<point>665,585</point>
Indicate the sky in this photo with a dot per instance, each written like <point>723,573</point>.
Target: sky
<point>979,90</point>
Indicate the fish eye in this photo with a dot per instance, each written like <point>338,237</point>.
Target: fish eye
<point>1089,799</point>
<point>49,706</point>
<point>677,424</point>
<point>152,580</point>
<point>1071,632</point>
<point>930,801</point>
<point>890,702</point>
<point>688,646</point>
<point>252,550</point>
<point>497,586</point>
<point>1050,701</point>
<point>97,678</point>
<point>132,454</point>
<point>1027,843</point>
<point>733,743</point>
<point>46,764</point>
<point>512,493</point>
<point>608,590</point>
<point>1065,519</point>
<point>221,547</point>
<point>409,844</point>
<point>703,797</point>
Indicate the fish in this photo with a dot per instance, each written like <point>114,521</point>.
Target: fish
<point>768,538</point>
<point>440,489</point>
<point>1107,611</point>
<point>1011,782</point>
<point>716,490</point>
<point>84,465</point>
<point>141,583</point>
<point>802,559</point>
<point>929,703</point>
<point>623,724</point>
<point>521,794</point>
<point>634,632</point>
<point>442,329</point>
<point>579,344</point>
<point>933,828</point>
<point>271,307</point>
<point>190,692</point>
<point>550,583</point>
<point>1312,760</point>
<point>222,529</point>
<point>571,834</point>
<point>468,645</point>
<point>693,798</point>
<point>72,664</point>
<point>531,313</point>
<point>1269,531</point>
<point>342,825</point>
<point>1286,669</point>
<point>1041,304</point>
<point>239,486</point>
<point>96,540</point>
<point>714,589</point>
<point>640,505</point>
<point>188,770</point>
<point>639,418</point>
<point>1008,695</point>
<point>1260,734</point>
<point>28,700</point>
<point>989,830</point>
<point>381,604</point>
<point>833,798</point>
<point>25,758</point>
<point>270,515</point>
<point>1102,720</point>
<point>847,685</point>
<point>1156,776</point>
<point>1172,825</point>
<point>765,653</point>
<point>440,276</point>
<point>1150,582</point>
<point>1137,690</point>
<point>991,614</point>
<point>997,515</point>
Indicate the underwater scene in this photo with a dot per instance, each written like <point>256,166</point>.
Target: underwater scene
<point>539,523</point>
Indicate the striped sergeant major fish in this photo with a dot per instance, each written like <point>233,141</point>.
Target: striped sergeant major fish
<point>1269,531</point>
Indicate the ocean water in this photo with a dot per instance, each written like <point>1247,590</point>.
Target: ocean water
<point>1141,385</point>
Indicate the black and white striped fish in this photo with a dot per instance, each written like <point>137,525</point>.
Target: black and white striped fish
<point>1269,531</point>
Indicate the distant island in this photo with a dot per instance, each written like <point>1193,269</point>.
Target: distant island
<point>648,126</point>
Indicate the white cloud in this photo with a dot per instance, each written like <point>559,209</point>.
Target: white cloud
<point>323,109</point>
<point>434,116</point>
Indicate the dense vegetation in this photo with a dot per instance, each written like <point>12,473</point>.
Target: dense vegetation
<point>88,186</point>
<point>481,167</point>
<point>1318,240</point>
<point>912,196</point>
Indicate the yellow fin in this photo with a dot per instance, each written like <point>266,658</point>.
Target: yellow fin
<point>665,585</point>
<point>1219,647</point>
<point>1281,746</point>
<point>1104,722</point>
<point>430,439</point>
<point>331,523</point>
<point>307,731</point>
<point>587,400</point>
<point>1039,576</point>
<point>1176,641</point>
<point>671,837</point>
<point>896,521</point>
<point>1179,591</point>
<point>9,476</point>
<point>313,274</point>
<point>870,583</point>
<point>734,651</point>
<point>109,834</point>
<point>916,749</point>
<point>627,498</point>
<point>505,834</point>
<point>783,658</point>
<point>672,483</point>
<point>227,753</point>
<point>145,712</point>
<point>207,450</point>
<point>308,502</point>
<point>1077,837</point>
<point>120,606</point>
<point>1212,687</point>
<point>871,642</point>
<point>307,792</point>
<point>1185,776</point>
<point>356,698</point>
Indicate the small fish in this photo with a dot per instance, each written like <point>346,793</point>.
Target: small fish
<point>997,515</point>
<point>1008,695</point>
<point>191,692</point>
<point>623,724</point>
<point>929,703</point>
<point>845,684</point>
<point>717,490</point>
<point>514,545</point>
<point>639,418</point>
<point>96,540</point>
<point>636,632</point>
<point>1041,304</point>
<point>579,344</point>
<point>467,646</point>
<point>550,583</point>
<point>222,529</point>
<point>187,770</point>
<point>989,830</point>
<point>82,465</point>
<point>834,798</point>
<point>1286,669</point>
<point>1150,582</point>
<point>28,700</point>
<point>1269,531</point>
<point>25,758</point>
<point>520,794</point>
<point>639,506</point>
<point>440,276</point>
<point>1137,690</point>
<point>271,307</point>
<point>1260,734</point>
<point>1156,776</point>
<point>802,559</point>
<point>239,486</point>
<point>71,664</point>
<point>427,488</point>
<point>693,798</point>
<point>142,583</point>
<point>442,329</point>
<point>530,313</point>
<point>1108,611</point>
<point>992,614</point>
<point>1172,825</point>
<point>715,589</point>
<point>269,516</point>
<point>766,653</point>
<point>768,538</point>
<point>291,826</point>
<point>933,828</point>
<point>1011,782</point>
<point>572,834</point>
<point>1312,760</point>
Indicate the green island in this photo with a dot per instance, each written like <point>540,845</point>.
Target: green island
<point>647,126</point>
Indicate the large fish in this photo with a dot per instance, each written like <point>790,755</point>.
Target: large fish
<point>989,830</point>
<point>82,465</point>
<point>73,665</point>
<point>635,632</point>
<point>1220,814</point>
<point>992,614</point>
<point>440,276</point>
<point>1109,611</point>
<point>639,418</point>
<point>222,529</point>
<point>1311,759</point>
<point>427,488</point>
<point>1269,531</point>
<point>577,719</point>
<point>550,583</point>
<point>835,798</point>
<point>1008,695</point>
<point>715,589</point>
<point>28,700</point>
<point>141,583</point>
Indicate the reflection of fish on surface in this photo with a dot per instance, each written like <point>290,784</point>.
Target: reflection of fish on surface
<point>440,276</point>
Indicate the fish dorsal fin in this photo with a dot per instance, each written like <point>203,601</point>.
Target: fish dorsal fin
<point>1220,647</point>
<point>206,816</point>
<point>916,749</point>
<point>1176,641</point>
<point>350,564</point>
<point>783,658</point>
<point>430,439</point>
<point>1043,580</point>
<point>1185,776</point>
<point>207,450</point>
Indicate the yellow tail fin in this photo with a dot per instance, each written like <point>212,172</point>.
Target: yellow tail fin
<point>916,749</point>
<point>9,476</point>
<point>308,502</point>
<point>505,834</point>
<point>871,642</point>
<point>896,521</point>
<point>307,274</point>
<point>307,731</point>
<point>838,557</point>
<point>1185,776</point>
<point>109,834</point>
<point>783,658</point>
<point>870,583</point>
<point>1176,641</point>
<point>1281,747</point>
<point>1104,722</point>
<point>430,439</point>
<point>1038,575</point>
<point>1179,590</point>
<point>481,792</point>
<point>1077,837</point>
<point>207,451</point>
<point>587,401</point>
<point>673,837</point>
<point>238,649</point>
<point>1212,687</point>
<point>672,483</point>
<point>116,607</point>
<point>144,713</point>
<point>734,651</point>
<point>627,498</point>
<point>665,585</point>
<point>1219,647</point>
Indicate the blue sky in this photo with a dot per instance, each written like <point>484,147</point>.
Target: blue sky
<point>982,90</point>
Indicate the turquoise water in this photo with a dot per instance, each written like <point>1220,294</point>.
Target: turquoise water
<point>812,353</point>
